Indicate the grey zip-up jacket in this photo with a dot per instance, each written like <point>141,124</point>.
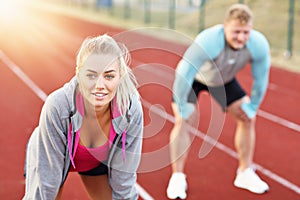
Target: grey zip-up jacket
<point>48,157</point>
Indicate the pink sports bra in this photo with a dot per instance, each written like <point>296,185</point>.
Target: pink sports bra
<point>86,159</point>
<point>83,158</point>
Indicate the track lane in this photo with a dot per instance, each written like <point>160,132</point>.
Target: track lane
<point>19,112</point>
<point>34,60</point>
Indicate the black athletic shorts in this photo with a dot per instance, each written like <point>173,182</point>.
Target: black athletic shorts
<point>101,169</point>
<point>224,95</point>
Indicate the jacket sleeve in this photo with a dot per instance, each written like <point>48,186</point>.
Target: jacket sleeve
<point>260,67</point>
<point>45,155</point>
<point>123,168</point>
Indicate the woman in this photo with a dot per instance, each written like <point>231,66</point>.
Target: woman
<point>92,125</point>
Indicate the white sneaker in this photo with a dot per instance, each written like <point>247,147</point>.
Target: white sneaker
<point>177,186</point>
<point>249,180</point>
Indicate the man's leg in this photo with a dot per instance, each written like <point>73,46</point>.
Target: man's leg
<point>180,141</point>
<point>244,135</point>
<point>245,143</point>
<point>245,146</point>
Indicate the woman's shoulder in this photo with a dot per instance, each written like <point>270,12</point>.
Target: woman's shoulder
<point>56,103</point>
<point>135,104</point>
<point>61,100</point>
<point>135,111</point>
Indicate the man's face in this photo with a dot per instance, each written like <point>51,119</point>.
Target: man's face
<point>237,34</point>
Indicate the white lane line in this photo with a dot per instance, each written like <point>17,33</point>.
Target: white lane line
<point>279,120</point>
<point>42,95</point>
<point>15,69</point>
<point>226,149</point>
<point>142,192</point>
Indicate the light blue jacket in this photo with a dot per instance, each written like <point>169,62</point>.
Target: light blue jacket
<point>47,157</point>
<point>206,47</point>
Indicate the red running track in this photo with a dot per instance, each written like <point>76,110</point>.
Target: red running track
<point>43,45</point>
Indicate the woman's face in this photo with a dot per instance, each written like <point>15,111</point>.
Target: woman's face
<point>237,34</point>
<point>99,78</point>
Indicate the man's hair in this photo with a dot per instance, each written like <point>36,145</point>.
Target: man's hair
<point>239,12</point>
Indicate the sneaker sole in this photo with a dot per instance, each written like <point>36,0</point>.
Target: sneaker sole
<point>177,197</point>
<point>256,192</point>
<point>182,196</point>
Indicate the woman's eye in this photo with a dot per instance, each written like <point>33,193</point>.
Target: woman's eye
<point>91,76</point>
<point>109,76</point>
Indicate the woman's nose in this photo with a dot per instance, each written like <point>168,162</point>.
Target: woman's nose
<point>100,83</point>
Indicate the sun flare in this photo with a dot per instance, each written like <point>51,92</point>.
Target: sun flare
<point>10,10</point>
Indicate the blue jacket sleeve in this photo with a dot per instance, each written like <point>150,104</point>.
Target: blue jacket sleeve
<point>206,46</point>
<point>260,67</point>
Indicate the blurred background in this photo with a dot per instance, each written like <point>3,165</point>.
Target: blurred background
<point>278,20</point>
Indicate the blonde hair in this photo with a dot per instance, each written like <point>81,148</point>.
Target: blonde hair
<point>240,12</point>
<point>105,44</point>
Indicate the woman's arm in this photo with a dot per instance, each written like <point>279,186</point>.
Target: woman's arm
<point>123,169</point>
<point>45,154</point>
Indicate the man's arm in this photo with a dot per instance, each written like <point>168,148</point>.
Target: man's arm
<point>260,68</point>
<point>205,47</point>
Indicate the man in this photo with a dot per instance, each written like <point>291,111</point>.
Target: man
<point>211,64</point>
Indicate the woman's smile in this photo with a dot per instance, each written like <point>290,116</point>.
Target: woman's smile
<point>99,79</point>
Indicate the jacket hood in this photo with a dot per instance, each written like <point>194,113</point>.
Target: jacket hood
<point>120,123</point>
